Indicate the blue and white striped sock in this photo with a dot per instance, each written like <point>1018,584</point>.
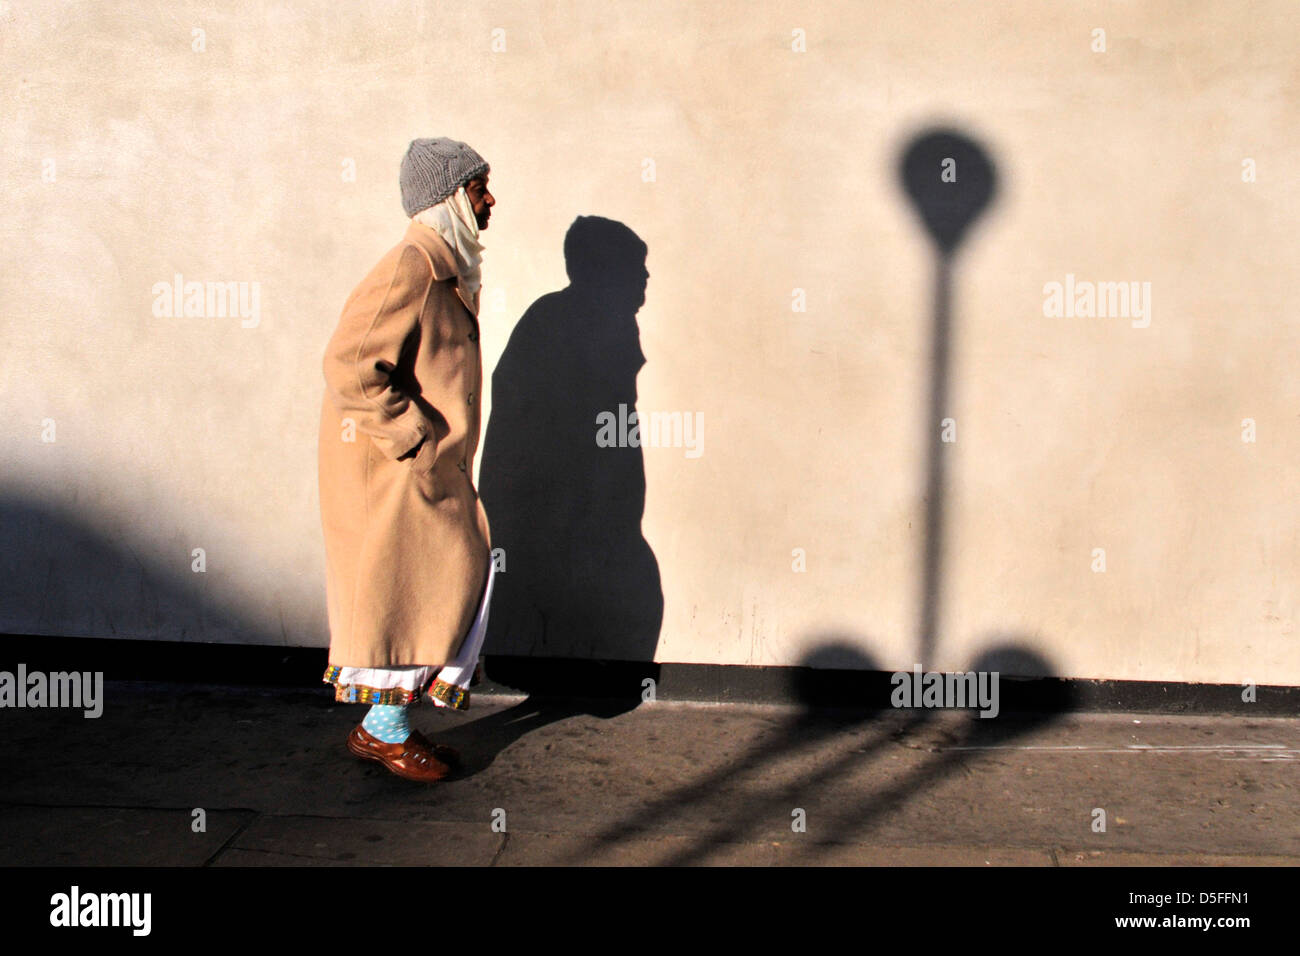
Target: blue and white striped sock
<point>388,722</point>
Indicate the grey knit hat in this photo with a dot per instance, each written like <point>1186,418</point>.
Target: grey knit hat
<point>433,169</point>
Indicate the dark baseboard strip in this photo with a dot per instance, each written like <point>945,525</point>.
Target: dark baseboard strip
<point>260,665</point>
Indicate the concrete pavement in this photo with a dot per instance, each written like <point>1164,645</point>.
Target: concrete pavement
<point>571,783</point>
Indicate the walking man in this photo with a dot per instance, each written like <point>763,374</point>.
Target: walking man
<point>407,543</point>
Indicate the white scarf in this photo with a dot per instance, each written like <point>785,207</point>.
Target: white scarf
<point>454,220</point>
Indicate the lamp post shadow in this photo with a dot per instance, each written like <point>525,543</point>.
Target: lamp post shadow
<point>950,180</point>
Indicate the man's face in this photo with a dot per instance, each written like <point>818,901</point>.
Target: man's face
<point>480,199</point>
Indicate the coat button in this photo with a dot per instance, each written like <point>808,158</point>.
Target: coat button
<point>461,465</point>
<point>471,398</point>
<point>473,336</point>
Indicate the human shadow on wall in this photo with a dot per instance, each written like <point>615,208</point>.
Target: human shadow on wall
<point>580,580</point>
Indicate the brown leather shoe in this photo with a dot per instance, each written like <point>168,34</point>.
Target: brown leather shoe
<point>412,760</point>
<point>444,752</point>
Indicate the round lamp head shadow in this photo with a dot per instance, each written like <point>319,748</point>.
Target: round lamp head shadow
<point>1028,688</point>
<point>950,180</point>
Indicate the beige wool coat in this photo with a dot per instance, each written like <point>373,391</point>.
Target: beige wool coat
<point>407,541</point>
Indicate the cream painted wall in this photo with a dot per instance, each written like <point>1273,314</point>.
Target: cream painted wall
<point>774,170</point>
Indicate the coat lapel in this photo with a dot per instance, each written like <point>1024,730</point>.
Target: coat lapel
<point>443,260</point>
